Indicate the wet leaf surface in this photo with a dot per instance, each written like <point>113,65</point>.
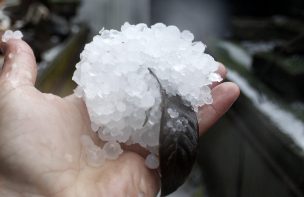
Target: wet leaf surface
<point>178,144</point>
<point>178,141</point>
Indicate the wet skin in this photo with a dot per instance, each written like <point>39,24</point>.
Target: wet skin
<point>40,149</point>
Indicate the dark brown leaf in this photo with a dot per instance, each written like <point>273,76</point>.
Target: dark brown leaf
<point>178,145</point>
<point>178,141</point>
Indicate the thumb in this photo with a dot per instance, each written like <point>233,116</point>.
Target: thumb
<point>19,65</point>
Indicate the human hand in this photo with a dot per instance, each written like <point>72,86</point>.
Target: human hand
<point>40,148</point>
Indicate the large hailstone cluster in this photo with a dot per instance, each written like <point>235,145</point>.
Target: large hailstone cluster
<point>123,98</point>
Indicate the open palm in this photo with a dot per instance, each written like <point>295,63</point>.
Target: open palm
<point>40,149</point>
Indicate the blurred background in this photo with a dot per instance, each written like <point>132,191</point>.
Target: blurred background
<point>257,148</point>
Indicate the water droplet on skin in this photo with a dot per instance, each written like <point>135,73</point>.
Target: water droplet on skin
<point>14,66</point>
<point>10,56</point>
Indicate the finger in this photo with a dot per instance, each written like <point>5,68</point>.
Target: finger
<point>19,63</point>
<point>222,71</point>
<point>224,95</point>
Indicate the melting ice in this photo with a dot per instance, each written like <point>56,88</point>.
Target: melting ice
<point>123,99</point>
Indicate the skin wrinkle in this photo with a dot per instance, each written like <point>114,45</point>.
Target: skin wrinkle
<point>62,173</point>
<point>17,127</point>
<point>10,89</point>
<point>16,177</point>
<point>15,138</point>
<point>59,171</point>
<point>10,190</point>
<point>73,184</point>
<point>8,141</point>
